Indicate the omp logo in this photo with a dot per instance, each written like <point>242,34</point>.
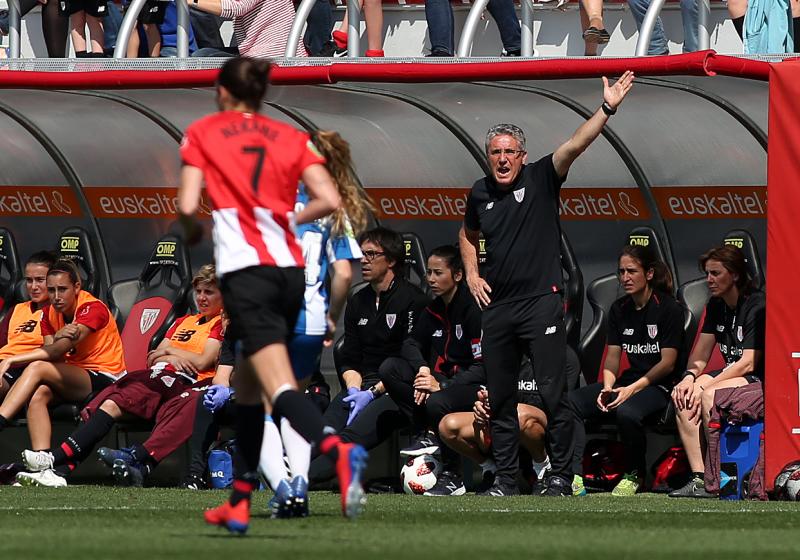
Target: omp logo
<point>184,335</point>
<point>735,241</point>
<point>165,249</point>
<point>640,240</point>
<point>408,247</point>
<point>1,241</point>
<point>70,244</point>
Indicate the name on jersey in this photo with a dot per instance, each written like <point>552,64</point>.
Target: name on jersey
<point>363,321</point>
<point>526,386</point>
<point>645,348</point>
<point>247,126</point>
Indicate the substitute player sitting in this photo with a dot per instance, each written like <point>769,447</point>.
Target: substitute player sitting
<point>21,330</point>
<point>736,321</point>
<point>647,324</point>
<point>82,354</point>
<point>188,352</point>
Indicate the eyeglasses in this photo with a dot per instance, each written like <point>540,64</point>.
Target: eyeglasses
<point>372,255</point>
<point>508,152</point>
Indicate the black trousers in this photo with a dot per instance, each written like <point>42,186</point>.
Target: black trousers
<point>630,418</point>
<point>535,327</point>
<point>459,395</point>
<point>373,425</point>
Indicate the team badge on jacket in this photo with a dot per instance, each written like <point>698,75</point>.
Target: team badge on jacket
<point>390,319</point>
<point>652,330</point>
<point>459,332</point>
<point>519,194</point>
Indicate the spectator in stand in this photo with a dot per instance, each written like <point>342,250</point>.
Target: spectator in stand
<point>21,330</point>
<point>54,26</point>
<point>82,354</point>
<point>735,320</point>
<point>658,41</point>
<point>83,14</point>
<point>594,30</point>
<point>260,27</point>
<point>169,32</point>
<point>147,24</point>
<point>373,18</point>
<point>376,321</point>
<point>647,325</point>
<point>441,28</point>
<point>187,354</point>
<point>440,370</point>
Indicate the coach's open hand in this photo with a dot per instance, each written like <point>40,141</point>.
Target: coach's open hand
<point>613,95</point>
<point>480,290</point>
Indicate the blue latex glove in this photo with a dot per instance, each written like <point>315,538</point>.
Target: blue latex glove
<point>358,401</point>
<point>216,396</point>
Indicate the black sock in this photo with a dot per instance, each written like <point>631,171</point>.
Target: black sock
<point>301,412</point>
<point>3,422</point>
<point>243,488</point>
<point>738,24</point>
<point>698,475</point>
<point>796,25</point>
<point>143,457</point>
<point>249,432</point>
<point>80,443</point>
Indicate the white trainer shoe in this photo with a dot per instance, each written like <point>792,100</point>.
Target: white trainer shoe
<point>46,477</point>
<point>36,461</point>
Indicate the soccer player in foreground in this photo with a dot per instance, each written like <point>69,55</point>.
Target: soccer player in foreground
<point>251,166</point>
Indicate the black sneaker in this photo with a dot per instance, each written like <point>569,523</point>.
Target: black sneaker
<point>330,49</point>
<point>511,53</point>
<point>448,484</point>
<point>425,444</point>
<point>695,488</point>
<point>194,482</point>
<point>438,53</point>
<point>486,482</point>
<point>555,486</point>
<point>501,488</point>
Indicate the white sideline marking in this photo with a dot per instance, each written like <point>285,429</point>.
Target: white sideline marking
<point>608,510</point>
<point>82,508</point>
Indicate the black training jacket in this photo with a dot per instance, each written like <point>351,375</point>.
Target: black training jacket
<point>372,334</point>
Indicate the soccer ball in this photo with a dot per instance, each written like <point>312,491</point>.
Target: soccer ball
<point>787,483</point>
<point>419,474</point>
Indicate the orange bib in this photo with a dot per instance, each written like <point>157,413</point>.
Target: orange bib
<point>101,350</point>
<point>24,331</point>
<point>191,336</point>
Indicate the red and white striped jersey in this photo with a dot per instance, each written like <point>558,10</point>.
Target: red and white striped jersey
<point>261,27</point>
<point>251,165</point>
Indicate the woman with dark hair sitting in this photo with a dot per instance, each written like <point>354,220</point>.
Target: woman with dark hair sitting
<point>647,324</point>
<point>736,321</point>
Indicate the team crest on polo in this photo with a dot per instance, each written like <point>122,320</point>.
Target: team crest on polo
<point>740,333</point>
<point>148,319</point>
<point>390,319</point>
<point>168,380</point>
<point>652,330</point>
<point>519,194</point>
<point>459,332</point>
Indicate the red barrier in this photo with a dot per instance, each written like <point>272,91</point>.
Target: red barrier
<point>703,63</point>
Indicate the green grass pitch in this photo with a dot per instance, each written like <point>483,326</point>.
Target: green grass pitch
<point>91,522</point>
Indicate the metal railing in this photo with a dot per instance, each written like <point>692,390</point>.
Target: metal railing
<point>353,28</point>
<point>474,17</point>
<point>14,28</point>
<point>129,24</point>
<point>649,23</point>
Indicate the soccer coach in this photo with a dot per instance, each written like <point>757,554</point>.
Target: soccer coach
<point>516,209</point>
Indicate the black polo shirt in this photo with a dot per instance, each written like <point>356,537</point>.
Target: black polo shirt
<point>522,231</point>
<point>643,333</point>
<point>740,329</point>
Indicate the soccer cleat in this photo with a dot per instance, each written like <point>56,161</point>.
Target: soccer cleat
<point>627,486</point>
<point>426,444</point>
<point>36,461</point>
<point>300,490</point>
<point>128,473</point>
<point>235,519</point>
<point>350,466</point>
<point>47,477</point>
<point>107,455</point>
<point>194,482</point>
<point>282,503</point>
<point>501,489</point>
<point>448,484</point>
<point>556,486</point>
<point>578,489</point>
<point>695,488</point>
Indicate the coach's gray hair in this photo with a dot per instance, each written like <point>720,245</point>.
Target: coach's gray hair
<point>505,129</point>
